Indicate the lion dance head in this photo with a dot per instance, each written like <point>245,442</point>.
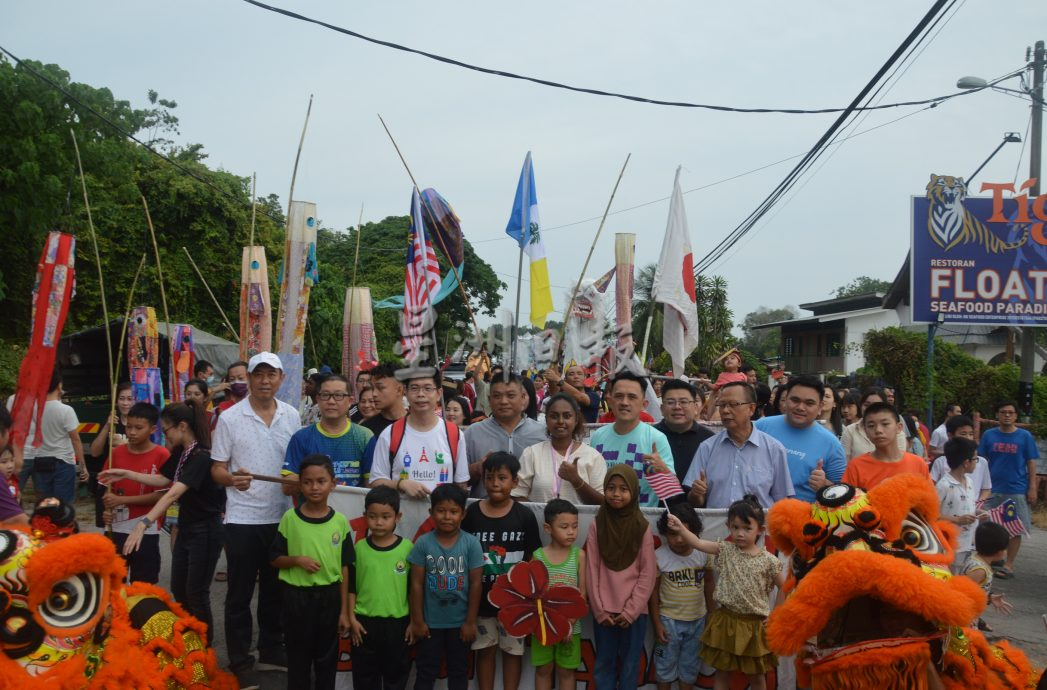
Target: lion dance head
<point>872,602</point>
<point>68,621</point>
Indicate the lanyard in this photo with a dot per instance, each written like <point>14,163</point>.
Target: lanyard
<point>181,461</point>
<point>557,479</point>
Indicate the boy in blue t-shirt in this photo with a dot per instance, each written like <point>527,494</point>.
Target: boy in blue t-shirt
<point>446,570</point>
<point>1011,453</point>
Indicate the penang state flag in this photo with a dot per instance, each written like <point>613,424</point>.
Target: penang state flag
<point>524,227</point>
<point>674,284</point>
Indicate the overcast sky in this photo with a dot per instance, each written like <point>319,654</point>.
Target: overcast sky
<point>242,77</point>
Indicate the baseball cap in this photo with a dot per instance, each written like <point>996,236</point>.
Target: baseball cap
<point>264,358</point>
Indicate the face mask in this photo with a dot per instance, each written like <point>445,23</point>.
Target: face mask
<point>212,380</point>
<point>239,388</point>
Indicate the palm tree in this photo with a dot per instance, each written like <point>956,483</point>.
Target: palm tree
<point>645,307</point>
<point>714,320</point>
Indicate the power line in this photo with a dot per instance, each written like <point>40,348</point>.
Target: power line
<point>819,148</point>
<point>581,89</point>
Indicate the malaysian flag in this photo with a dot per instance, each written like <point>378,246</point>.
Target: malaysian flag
<point>664,484</point>
<point>1006,515</point>
<point>421,283</point>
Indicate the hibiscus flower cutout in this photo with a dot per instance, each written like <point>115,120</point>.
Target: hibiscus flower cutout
<point>528,605</point>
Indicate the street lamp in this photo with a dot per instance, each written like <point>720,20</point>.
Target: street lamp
<point>1008,138</point>
<point>1035,93</point>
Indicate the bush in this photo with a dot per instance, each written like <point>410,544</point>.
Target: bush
<point>11,354</point>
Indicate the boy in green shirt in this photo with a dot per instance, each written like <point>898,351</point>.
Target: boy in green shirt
<point>379,614</point>
<point>313,551</point>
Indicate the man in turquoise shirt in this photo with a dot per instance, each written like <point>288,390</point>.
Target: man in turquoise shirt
<point>815,455</point>
<point>629,440</point>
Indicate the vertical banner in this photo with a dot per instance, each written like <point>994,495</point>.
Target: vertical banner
<point>978,260</point>
<point>359,350</point>
<point>143,361</point>
<point>52,293</point>
<point>415,522</point>
<point>298,276</point>
<point>256,315</point>
<point>182,360</point>
<point>624,250</point>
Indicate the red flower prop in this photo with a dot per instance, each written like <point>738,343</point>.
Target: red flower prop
<point>527,604</point>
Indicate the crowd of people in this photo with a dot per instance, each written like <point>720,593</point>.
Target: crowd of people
<point>248,473</point>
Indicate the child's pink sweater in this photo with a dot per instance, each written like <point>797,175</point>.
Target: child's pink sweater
<point>619,591</point>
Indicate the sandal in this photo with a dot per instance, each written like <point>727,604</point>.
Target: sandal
<point>220,576</point>
<point>1004,573</point>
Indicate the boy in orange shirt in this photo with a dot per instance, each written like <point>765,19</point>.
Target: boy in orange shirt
<point>882,425</point>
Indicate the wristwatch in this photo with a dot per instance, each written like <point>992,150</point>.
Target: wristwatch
<point>146,521</point>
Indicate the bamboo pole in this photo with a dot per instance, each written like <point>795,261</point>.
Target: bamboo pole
<point>439,238</point>
<point>254,205</point>
<point>160,280</point>
<point>297,157</point>
<point>347,366</point>
<point>585,266</point>
<point>213,298</point>
<point>98,262</point>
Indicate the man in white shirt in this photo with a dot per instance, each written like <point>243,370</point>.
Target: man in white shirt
<point>420,445</point>
<point>940,435</point>
<point>961,426</point>
<point>251,438</point>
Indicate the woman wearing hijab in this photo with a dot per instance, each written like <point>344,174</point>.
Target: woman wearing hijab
<point>620,574</point>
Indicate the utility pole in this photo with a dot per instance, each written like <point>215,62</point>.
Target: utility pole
<point>1028,369</point>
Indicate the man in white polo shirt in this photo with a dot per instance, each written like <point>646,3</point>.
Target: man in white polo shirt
<point>251,438</point>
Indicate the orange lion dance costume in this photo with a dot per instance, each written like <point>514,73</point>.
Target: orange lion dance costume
<point>68,621</point>
<point>873,605</point>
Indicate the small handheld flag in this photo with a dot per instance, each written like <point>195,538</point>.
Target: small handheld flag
<point>1006,515</point>
<point>664,484</point>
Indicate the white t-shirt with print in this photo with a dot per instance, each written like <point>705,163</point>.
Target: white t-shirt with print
<point>958,498</point>
<point>244,442</point>
<point>423,456</point>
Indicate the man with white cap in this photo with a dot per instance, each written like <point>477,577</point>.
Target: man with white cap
<point>251,438</point>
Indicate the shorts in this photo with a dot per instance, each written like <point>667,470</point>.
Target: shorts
<point>1020,504</point>
<point>678,658</point>
<point>489,632</point>
<point>566,654</point>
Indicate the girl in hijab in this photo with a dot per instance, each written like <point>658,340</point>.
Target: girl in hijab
<point>620,574</point>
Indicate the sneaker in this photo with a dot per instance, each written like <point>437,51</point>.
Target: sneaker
<point>272,661</point>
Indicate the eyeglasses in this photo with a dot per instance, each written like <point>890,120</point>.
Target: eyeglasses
<point>415,390</point>
<point>327,395</point>
<point>165,430</point>
<point>732,405</point>
<point>683,402</point>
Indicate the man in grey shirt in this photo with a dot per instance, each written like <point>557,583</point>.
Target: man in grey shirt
<point>508,428</point>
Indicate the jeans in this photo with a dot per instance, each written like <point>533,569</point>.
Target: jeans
<point>247,553</point>
<point>443,644</point>
<point>60,483</point>
<point>618,653</point>
<point>25,474</point>
<point>196,552</point>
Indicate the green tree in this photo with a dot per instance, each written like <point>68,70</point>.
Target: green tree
<point>764,342</point>
<point>862,285</point>
<point>645,306</point>
<point>715,320</point>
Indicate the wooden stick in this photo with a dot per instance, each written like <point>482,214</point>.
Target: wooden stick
<point>439,238</point>
<point>98,263</point>
<point>278,480</point>
<point>348,335</point>
<point>213,298</point>
<point>119,356</point>
<point>160,279</point>
<point>254,205</point>
<point>585,267</point>
<point>297,156</point>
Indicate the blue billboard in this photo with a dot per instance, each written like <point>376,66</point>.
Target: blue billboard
<point>978,260</point>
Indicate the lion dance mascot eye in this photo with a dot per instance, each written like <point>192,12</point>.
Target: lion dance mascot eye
<point>68,621</point>
<point>872,604</point>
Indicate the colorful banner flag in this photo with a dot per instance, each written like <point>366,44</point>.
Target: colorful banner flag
<point>525,227</point>
<point>256,316</point>
<point>421,283</point>
<point>674,285</point>
<point>1006,515</point>
<point>297,278</point>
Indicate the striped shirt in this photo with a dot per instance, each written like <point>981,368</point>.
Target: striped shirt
<point>681,583</point>
<point>565,573</point>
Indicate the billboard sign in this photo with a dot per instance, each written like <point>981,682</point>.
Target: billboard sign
<point>979,260</point>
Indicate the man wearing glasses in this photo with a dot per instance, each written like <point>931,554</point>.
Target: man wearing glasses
<point>680,408</point>
<point>739,460</point>
<point>334,436</point>
<point>420,458</point>
<point>1012,456</point>
<point>816,457</point>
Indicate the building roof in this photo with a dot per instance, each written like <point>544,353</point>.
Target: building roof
<point>834,316</point>
<point>844,304</point>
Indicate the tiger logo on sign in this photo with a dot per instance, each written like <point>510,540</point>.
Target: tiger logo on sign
<point>950,223</point>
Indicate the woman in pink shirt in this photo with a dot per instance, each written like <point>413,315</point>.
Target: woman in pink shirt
<point>620,574</point>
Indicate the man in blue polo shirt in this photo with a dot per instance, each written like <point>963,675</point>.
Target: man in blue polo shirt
<point>1012,455</point>
<point>816,457</point>
<point>334,436</point>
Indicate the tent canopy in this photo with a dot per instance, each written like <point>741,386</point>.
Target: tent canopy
<point>85,373</point>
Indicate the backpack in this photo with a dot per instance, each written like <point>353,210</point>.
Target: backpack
<point>396,437</point>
